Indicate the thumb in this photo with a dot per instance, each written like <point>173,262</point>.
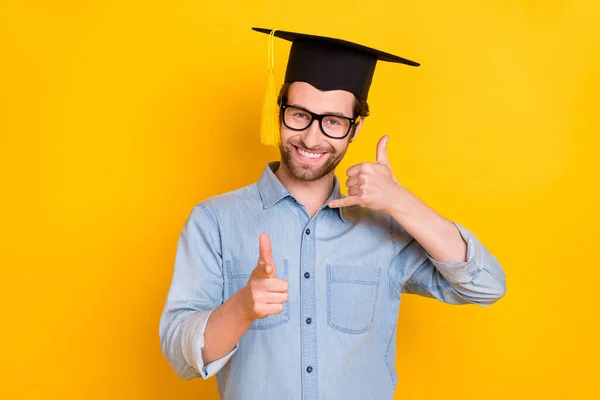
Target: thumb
<point>382,157</point>
<point>264,271</point>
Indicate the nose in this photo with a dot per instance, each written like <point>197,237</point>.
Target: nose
<point>313,135</point>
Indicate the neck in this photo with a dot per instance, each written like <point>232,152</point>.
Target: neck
<point>313,194</point>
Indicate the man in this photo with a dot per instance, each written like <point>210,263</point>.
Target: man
<point>285,289</point>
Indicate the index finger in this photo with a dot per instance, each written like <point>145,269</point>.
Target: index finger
<point>265,249</point>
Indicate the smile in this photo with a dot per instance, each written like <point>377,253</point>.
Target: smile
<point>308,154</point>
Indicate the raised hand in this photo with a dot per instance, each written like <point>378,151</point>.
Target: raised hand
<point>265,292</point>
<point>372,185</point>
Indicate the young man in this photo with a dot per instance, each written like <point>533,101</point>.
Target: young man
<point>286,289</point>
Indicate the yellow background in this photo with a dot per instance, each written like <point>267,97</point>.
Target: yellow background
<point>116,118</point>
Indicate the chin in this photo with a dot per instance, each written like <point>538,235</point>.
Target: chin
<point>307,169</point>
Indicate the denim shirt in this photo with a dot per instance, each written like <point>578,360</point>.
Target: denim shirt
<point>346,268</point>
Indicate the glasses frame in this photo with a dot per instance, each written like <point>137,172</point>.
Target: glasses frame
<point>318,117</point>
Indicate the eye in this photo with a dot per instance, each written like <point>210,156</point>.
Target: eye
<point>333,122</point>
<point>300,114</point>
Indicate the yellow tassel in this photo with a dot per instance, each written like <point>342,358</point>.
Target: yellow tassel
<point>269,127</point>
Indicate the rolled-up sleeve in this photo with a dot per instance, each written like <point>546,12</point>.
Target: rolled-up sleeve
<point>196,291</point>
<point>478,280</point>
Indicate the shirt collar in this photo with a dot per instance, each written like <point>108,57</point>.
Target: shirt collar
<point>272,191</point>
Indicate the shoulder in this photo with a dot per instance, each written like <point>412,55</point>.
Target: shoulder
<point>229,202</point>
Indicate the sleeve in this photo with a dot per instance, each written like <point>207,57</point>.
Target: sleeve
<point>196,291</point>
<point>479,280</point>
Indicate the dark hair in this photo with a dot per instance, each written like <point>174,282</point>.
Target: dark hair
<point>360,108</point>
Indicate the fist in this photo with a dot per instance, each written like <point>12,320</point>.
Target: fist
<point>265,294</point>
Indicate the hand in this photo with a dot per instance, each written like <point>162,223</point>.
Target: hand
<point>372,185</point>
<point>265,293</point>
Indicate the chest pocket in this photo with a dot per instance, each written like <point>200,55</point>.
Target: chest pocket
<point>238,278</point>
<point>352,293</point>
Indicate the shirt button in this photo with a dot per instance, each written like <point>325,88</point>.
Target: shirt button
<point>293,199</point>
<point>308,320</point>
<point>307,231</point>
<point>306,275</point>
<point>309,369</point>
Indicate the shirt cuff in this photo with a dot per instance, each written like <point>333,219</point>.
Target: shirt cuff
<point>192,344</point>
<point>462,271</point>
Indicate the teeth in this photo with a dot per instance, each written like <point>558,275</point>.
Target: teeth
<point>309,154</point>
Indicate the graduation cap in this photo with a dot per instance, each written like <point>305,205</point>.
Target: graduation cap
<point>325,63</point>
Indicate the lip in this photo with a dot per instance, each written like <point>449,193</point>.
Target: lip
<point>307,160</point>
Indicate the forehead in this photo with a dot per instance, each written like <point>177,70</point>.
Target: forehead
<point>319,101</point>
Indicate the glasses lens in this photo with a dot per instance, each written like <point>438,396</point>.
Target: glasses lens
<point>335,126</point>
<point>295,118</point>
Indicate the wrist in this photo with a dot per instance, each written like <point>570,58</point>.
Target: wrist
<point>400,203</point>
<point>243,305</point>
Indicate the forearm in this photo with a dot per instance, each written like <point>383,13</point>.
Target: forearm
<point>225,327</point>
<point>437,235</point>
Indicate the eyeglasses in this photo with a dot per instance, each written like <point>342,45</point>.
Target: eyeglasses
<point>299,119</point>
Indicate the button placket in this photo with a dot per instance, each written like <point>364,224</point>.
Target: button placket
<point>308,309</point>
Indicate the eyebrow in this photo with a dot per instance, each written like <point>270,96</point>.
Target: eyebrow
<point>339,114</point>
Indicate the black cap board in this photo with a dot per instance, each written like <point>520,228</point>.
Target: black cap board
<point>332,64</point>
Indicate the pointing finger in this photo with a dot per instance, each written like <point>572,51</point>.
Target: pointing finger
<point>265,249</point>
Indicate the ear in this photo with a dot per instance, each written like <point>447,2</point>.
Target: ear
<point>357,130</point>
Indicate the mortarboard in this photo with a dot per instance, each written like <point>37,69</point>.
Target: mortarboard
<point>325,63</point>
